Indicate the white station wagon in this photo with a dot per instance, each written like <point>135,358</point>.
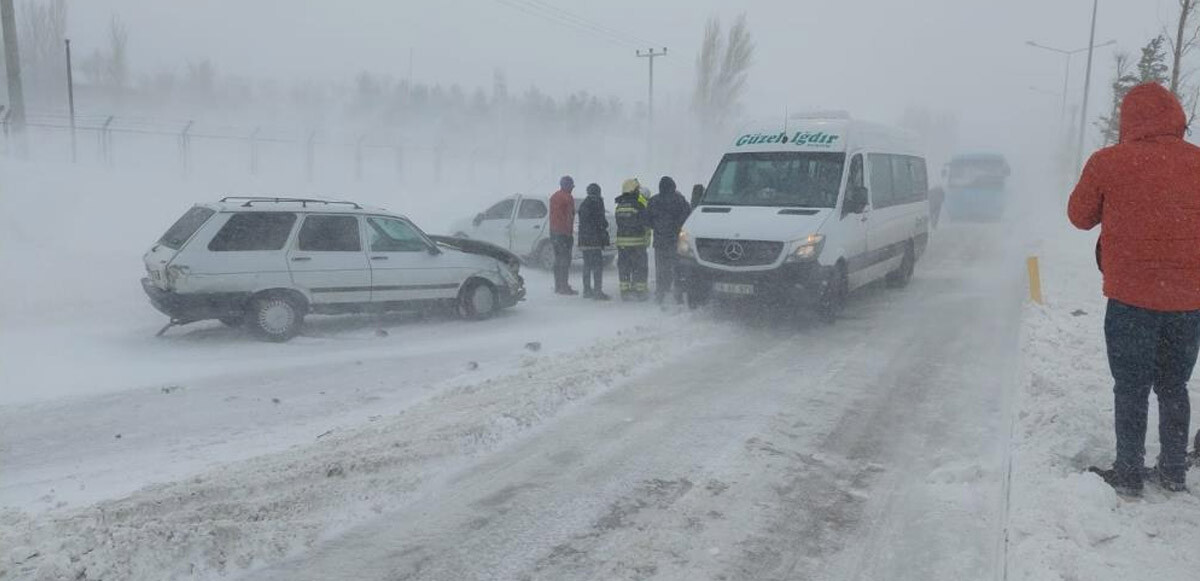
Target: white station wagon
<point>267,262</point>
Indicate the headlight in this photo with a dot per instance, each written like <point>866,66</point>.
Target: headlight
<point>684,246</point>
<point>807,248</point>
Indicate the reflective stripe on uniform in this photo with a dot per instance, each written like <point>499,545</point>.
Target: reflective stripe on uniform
<point>632,241</point>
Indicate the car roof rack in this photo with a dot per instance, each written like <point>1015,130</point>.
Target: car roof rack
<point>250,200</point>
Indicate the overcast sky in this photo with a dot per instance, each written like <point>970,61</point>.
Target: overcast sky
<point>872,57</point>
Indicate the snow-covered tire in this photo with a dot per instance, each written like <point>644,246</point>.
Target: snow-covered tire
<point>275,317</point>
<point>833,299</point>
<point>478,301</point>
<point>900,277</point>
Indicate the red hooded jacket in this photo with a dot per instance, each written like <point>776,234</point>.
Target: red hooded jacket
<point>562,213</point>
<point>1145,194</point>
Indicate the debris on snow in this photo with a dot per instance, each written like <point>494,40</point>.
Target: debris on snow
<point>533,346</point>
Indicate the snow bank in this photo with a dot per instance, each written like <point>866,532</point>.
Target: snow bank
<point>1066,524</point>
<point>244,515</point>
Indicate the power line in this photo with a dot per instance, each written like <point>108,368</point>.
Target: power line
<point>614,31</point>
<point>561,17</point>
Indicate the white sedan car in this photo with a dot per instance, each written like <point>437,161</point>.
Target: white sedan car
<point>521,224</point>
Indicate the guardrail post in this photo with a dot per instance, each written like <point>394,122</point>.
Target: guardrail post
<point>185,142</point>
<point>106,154</point>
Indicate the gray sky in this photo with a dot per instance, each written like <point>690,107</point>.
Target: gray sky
<point>872,57</point>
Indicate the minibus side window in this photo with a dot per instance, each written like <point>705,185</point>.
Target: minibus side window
<point>881,180</point>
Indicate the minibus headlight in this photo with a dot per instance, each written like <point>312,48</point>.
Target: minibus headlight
<point>684,246</point>
<point>807,248</point>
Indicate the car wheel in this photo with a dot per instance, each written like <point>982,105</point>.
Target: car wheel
<point>233,322</point>
<point>833,299</point>
<point>275,317</point>
<point>478,301</point>
<point>544,257</point>
<point>900,277</point>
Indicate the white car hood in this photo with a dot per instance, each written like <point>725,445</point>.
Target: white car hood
<point>755,223</point>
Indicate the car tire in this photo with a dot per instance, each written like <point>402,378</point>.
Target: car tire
<point>833,299</point>
<point>275,317</point>
<point>233,322</point>
<point>478,301</point>
<point>544,257</point>
<point>900,277</point>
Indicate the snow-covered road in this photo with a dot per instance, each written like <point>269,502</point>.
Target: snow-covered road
<point>872,449</point>
<point>637,443</point>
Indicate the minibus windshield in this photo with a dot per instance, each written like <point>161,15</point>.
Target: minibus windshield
<point>807,180</point>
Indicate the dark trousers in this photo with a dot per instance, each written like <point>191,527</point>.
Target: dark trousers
<point>633,267</point>
<point>1151,350</point>
<point>666,271</point>
<point>563,244</point>
<point>593,270</point>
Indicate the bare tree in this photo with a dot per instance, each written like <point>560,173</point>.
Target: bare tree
<point>118,55</point>
<point>1123,81</point>
<point>722,68</point>
<point>1183,42</point>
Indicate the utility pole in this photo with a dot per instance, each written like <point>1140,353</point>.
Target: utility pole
<point>650,55</point>
<point>1087,87</point>
<point>12,58</point>
<point>71,103</point>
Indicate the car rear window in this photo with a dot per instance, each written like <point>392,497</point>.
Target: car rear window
<point>185,226</point>
<point>254,231</point>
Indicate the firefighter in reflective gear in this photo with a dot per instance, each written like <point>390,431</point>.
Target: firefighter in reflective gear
<point>633,238</point>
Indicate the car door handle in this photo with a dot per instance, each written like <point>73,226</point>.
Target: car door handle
<point>301,258</point>
<point>379,258</point>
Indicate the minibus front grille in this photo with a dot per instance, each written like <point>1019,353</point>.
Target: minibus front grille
<point>738,252</point>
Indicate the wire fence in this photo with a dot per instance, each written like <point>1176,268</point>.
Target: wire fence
<point>191,147</point>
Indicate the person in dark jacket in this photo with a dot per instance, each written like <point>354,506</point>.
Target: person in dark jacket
<point>1144,193</point>
<point>633,236</point>
<point>667,211</point>
<point>562,233</point>
<point>593,239</point>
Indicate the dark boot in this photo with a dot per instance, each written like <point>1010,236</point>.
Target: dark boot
<point>1126,485</point>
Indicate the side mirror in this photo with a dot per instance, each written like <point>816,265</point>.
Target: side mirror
<point>433,250</point>
<point>478,220</point>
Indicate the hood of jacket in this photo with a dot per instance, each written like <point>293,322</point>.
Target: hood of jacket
<point>1149,111</point>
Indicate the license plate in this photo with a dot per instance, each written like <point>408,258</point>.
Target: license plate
<point>730,288</point>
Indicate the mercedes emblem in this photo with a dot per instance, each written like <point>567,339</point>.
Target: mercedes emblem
<point>734,251</point>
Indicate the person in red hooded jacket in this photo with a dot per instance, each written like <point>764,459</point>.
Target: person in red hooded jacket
<point>1144,193</point>
<point>562,233</point>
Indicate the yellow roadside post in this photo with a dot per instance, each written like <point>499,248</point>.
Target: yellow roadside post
<point>1035,279</point>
